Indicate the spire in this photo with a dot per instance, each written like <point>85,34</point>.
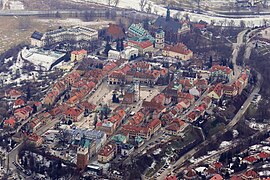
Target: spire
<point>168,16</point>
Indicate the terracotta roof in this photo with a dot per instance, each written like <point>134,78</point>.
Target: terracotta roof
<point>218,165</point>
<point>218,89</point>
<point>175,125</point>
<point>79,52</point>
<point>236,178</point>
<point>74,112</point>
<point>178,48</point>
<point>143,45</point>
<point>171,178</point>
<point>263,155</point>
<point>107,150</point>
<point>19,102</point>
<point>115,31</point>
<point>250,174</point>
<point>154,123</point>
<point>251,159</point>
<point>10,122</point>
<point>217,177</point>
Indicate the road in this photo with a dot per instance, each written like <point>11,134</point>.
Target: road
<point>233,122</point>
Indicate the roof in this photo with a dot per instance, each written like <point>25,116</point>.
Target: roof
<point>154,123</point>
<point>10,122</point>
<point>171,178</point>
<point>170,25</point>
<point>218,89</point>
<point>218,165</point>
<point>263,155</point>
<point>115,31</point>
<point>251,159</point>
<point>178,48</point>
<point>37,35</point>
<point>224,69</point>
<point>175,125</point>
<point>107,150</point>
<point>217,177</point>
<point>82,51</point>
<point>250,174</point>
<point>19,102</point>
<point>143,45</point>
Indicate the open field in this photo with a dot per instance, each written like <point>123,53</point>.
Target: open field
<point>15,30</point>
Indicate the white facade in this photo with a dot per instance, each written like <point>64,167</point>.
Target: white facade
<point>128,53</point>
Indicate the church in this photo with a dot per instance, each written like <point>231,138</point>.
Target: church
<point>173,28</point>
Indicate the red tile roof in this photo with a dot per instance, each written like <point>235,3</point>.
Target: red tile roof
<point>263,155</point>
<point>79,52</point>
<point>224,69</point>
<point>250,174</point>
<point>178,48</point>
<point>19,102</point>
<point>107,150</point>
<point>143,45</point>
<point>217,177</point>
<point>171,178</point>
<point>251,159</point>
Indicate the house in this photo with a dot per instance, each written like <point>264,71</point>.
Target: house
<point>13,94</point>
<point>193,116</point>
<point>185,103</point>
<point>134,131</point>
<point>263,155</point>
<point>186,96</point>
<point>78,55</point>
<point>21,114</point>
<point>106,126</point>
<point>115,32</point>
<point>216,91</point>
<point>250,174</point>
<point>230,90</point>
<point>10,123</point>
<point>221,72</point>
<point>107,153</point>
<point>171,178</point>
<point>190,174</point>
<point>186,84</point>
<point>217,177</point>
<point>120,138</point>
<point>73,114</point>
<point>178,51</point>
<point>250,159</point>
<point>35,139</point>
<point>126,149</point>
<point>38,105</point>
<point>201,83</point>
<point>175,127</point>
<point>72,77</point>
<point>18,103</point>
<point>154,126</point>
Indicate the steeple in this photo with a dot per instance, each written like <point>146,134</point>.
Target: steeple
<point>168,16</point>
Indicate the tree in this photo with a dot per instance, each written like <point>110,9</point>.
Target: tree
<point>116,2</point>
<point>107,48</point>
<point>142,4</point>
<point>149,8</point>
<point>242,24</point>
<point>109,2</point>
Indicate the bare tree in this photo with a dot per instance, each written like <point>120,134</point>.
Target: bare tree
<point>242,24</point>
<point>109,2</point>
<point>142,4</point>
<point>149,8</point>
<point>116,2</point>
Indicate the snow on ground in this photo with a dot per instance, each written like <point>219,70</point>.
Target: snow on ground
<point>224,144</point>
<point>74,22</point>
<point>264,173</point>
<point>249,21</point>
<point>200,169</point>
<point>257,126</point>
<point>157,151</point>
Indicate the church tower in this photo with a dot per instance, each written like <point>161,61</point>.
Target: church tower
<point>160,39</point>
<point>168,15</point>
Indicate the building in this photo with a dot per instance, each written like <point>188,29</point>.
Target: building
<point>137,30</point>
<point>216,91</point>
<point>142,46</point>
<point>78,55</point>
<point>74,114</point>
<point>115,32</point>
<point>42,59</point>
<point>160,39</point>
<point>221,72</point>
<point>176,127</point>
<point>107,153</point>
<point>126,149</point>
<point>76,33</point>
<point>129,53</point>
<point>178,51</point>
<point>15,5</point>
<point>82,157</point>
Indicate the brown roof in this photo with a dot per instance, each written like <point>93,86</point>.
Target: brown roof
<point>115,31</point>
<point>178,48</point>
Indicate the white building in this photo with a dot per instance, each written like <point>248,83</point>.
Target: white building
<point>76,33</point>
<point>129,53</point>
<point>42,59</point>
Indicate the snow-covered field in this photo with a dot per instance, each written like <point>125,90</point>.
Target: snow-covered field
<point>134,4</point>
<point>74,22</point>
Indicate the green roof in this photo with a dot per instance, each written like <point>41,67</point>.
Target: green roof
<point>119,138</point>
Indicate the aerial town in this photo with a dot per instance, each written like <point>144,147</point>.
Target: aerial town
<point>104,91</point>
